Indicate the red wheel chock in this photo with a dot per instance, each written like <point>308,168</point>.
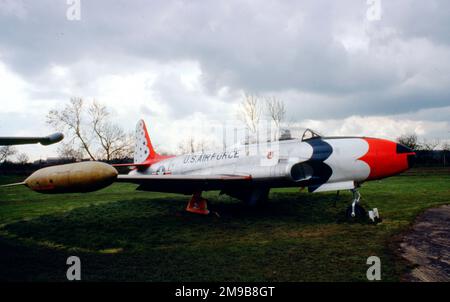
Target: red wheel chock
<point>198,204</point>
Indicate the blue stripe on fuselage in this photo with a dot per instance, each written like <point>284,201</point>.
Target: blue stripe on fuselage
<point>321,171</point>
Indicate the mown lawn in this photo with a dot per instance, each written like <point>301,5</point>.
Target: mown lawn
<point>122,234</point>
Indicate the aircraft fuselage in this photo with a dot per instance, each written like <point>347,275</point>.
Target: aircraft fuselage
<point>321,164</point>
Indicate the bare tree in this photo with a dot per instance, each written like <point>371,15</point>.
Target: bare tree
<point>430,145</point>
<point>69,152</point>
<point>127,150</point>
<point>5,152</point>
<point>203,145</point>
<point>250,112</point>
<point>89,129</point>
<point>70,120</point>
<point>22,158</point>
<point>277,112</point>
<point>189,145</point>
<point>192,145</point>
<point>410,141</point>
<point>114,142</point>
<point>445,149</point>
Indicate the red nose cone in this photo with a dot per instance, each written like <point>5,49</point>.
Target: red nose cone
<point>386,158</point>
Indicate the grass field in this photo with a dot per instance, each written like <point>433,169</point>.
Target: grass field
<point>121,234</point>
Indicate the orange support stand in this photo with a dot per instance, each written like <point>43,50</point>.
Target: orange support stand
<point>198,204</point>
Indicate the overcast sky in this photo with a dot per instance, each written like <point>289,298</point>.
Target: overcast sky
<point>341,67</point>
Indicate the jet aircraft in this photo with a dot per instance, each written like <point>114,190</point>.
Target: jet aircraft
<point>314,162</point>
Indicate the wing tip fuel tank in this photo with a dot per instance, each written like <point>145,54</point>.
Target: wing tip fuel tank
<point>52,139</point>
<point>72,178</point>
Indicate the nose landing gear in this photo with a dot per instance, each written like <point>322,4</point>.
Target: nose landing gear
<point>355,210</point>
<point>356,199</point>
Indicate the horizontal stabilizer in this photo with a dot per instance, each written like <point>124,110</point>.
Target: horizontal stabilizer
<point>146,163</point>
<point>132,165</point>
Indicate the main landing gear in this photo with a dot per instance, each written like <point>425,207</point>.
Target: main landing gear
<point>198,204</point>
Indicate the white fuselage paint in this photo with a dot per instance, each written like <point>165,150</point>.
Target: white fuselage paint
<point>271,163</point>
<point>344,159</point>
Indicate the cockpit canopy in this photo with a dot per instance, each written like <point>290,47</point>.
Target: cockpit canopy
<point>310,134</point>
<point>283,134</point>
<point>286,134</point>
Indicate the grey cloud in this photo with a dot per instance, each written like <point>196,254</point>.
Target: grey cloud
<point>419,19</point>
<point>260,47</point>
<point>185,101</point>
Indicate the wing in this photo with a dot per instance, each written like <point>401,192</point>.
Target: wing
<point>186,184</point>
<point>46,140</point>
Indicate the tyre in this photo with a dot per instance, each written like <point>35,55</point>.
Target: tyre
<point>360,213</point>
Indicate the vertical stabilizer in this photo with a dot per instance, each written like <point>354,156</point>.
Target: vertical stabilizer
<point>143,149</point>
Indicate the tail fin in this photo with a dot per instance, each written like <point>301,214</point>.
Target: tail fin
<point>144,154</point>
<point>143,148</point>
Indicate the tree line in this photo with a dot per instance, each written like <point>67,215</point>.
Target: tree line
<point>412,141</point>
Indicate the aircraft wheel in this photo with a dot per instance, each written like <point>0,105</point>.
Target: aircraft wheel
<point>360,213</point>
